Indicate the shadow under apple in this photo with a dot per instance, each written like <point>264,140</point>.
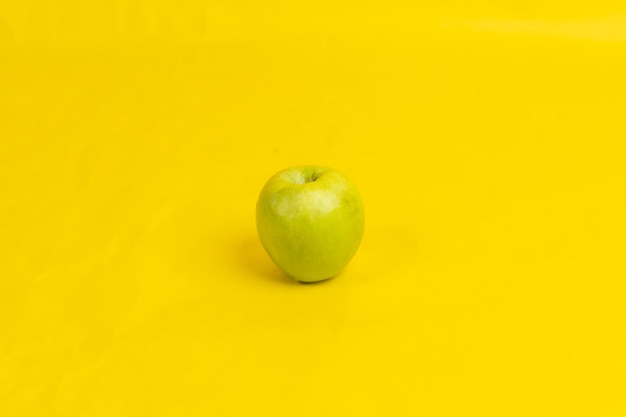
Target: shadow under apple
<point>256,262</point>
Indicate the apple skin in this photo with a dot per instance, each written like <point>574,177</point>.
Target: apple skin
<point>310,220</point>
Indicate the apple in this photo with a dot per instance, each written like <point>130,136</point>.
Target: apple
<point>310,220</point>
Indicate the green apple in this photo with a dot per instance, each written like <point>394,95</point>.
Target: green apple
<point>310,220</point>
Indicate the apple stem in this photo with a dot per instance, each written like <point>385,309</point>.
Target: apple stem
<point>311,178</point>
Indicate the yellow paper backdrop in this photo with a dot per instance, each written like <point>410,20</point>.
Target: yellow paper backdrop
<point>488,142</point>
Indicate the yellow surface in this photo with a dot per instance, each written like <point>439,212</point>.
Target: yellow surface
<point>487,140</point>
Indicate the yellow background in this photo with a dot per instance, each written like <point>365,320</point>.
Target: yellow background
<point>487,140</point>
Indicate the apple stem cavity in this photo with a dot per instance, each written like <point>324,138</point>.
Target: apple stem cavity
<point>311,178</point>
